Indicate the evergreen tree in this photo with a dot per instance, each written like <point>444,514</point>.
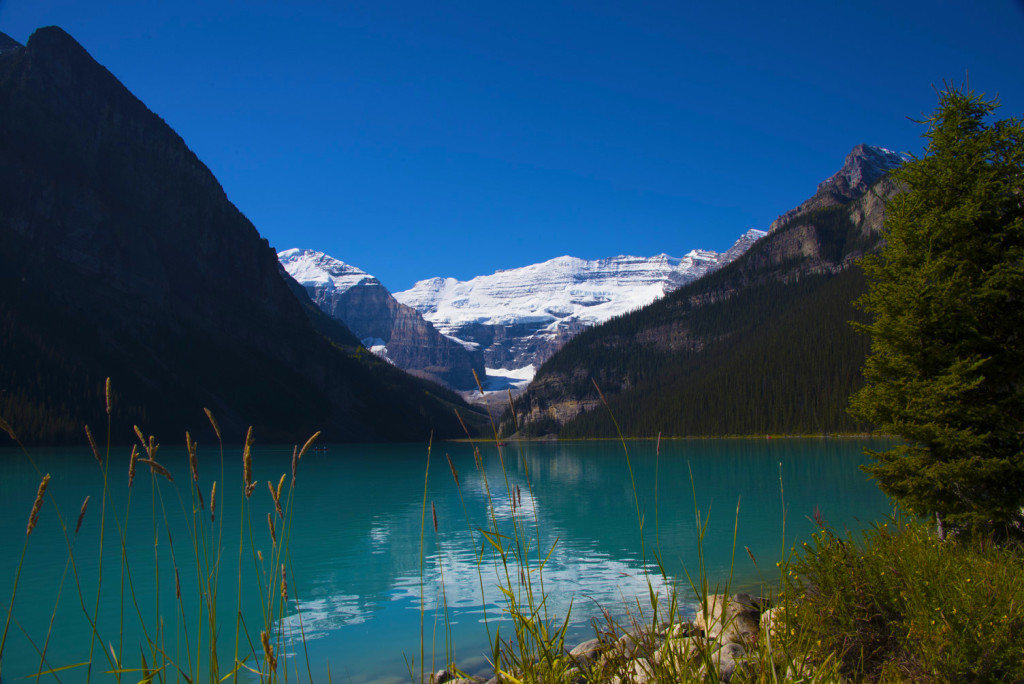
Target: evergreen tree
<point>946,297</point>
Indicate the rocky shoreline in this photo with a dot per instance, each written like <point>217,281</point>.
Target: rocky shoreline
<point>729,634</point>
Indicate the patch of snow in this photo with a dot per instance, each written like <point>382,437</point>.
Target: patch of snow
<point>501,379</point>
<point>377,347</point>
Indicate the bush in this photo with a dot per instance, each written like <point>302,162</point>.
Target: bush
<point>906,606</point>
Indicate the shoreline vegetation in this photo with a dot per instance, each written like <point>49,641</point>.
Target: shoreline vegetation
<point>893,605</point>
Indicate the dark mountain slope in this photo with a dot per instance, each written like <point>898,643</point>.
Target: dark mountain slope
<point>121,256</point>
<point>762,345</point>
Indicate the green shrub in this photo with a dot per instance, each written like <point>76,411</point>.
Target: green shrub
<point>904,606</point>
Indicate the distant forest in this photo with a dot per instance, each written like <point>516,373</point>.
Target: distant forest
<point>756,348</point>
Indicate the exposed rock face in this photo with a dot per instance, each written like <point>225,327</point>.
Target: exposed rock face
<point>708,334</point>
<point>121,256</point>
<point>522,316</point>
<point>862,168</point>
<point>387,327</point>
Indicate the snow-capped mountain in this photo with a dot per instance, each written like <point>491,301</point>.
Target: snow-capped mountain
<point>386,327</point>
<point>520,317</point>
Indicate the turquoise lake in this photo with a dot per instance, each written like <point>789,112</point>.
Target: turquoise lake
<point>354,557</point>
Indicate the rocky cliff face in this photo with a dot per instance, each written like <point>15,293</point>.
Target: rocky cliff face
<point>387,327</point>
<point>520,317</point>
<point>720,346</point>
<point>862,168</point>
<point>121,256</point>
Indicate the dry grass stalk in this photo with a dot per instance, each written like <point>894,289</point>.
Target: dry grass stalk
<point>247,465</point>
<point>275,494</point>
<point>213,501</point>
<point>295,461</point>
<point>8,429</point>
<point>131,466</point>
<point>155,467</point>
<point>177,584</point>
<point>478,385</point>
<point>268,651</point>
<point>33,517</point>
<point>270,524</point>
<point>138,433</point>
<point>193,458</point>
<point>107,393</point>
<point>309,443</point>
<point>433,512</point>
<point>81,514</point>
<point>462,423</point>
<point>273,497</point>
<point>284,584</point>
<point>92,443</point>
<point>455,473</point>
<point>213,422</point>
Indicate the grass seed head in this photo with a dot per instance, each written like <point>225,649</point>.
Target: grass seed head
<point>455,473</point>
<point>193,458</point>
<point>309,443</point>
<point>270,524</point>
<point>138,433</point>
<point>247,464</point>
<point>33,517</point>
<point>213,501</point>
<point>131,465</point>
<point>5,426</point>
<point>106,391</point>
<point>155,467</point>
<point>92,443</point>
<point>213,422</point>
<point>268,651</point>
<point>81,514</point>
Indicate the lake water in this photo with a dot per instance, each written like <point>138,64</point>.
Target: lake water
<point>354,556</point>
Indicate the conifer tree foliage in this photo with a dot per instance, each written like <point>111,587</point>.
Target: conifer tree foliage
<point>946,297</point>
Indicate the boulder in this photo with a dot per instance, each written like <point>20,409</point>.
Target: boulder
<point>732,619</point>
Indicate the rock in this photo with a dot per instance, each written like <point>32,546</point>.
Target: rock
<point>683,630</point>
<point>730,620</point>
<point>442,676</point>
<point>587,652</point>
<point>727,660</point>
<point>390,329</point>
<point>770,622</point>
<point>640,672</point>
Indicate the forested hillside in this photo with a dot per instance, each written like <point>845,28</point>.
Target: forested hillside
<point>762,346</point>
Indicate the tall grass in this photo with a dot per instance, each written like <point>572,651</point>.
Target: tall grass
<point>191,648</point>
<point>655,638</point>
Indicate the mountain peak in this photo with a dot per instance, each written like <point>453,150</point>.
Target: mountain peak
<point>8,44</point>
<point>864,166</point>
<point>316,269</point>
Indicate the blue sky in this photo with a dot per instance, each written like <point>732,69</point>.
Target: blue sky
<point>415,139</point>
